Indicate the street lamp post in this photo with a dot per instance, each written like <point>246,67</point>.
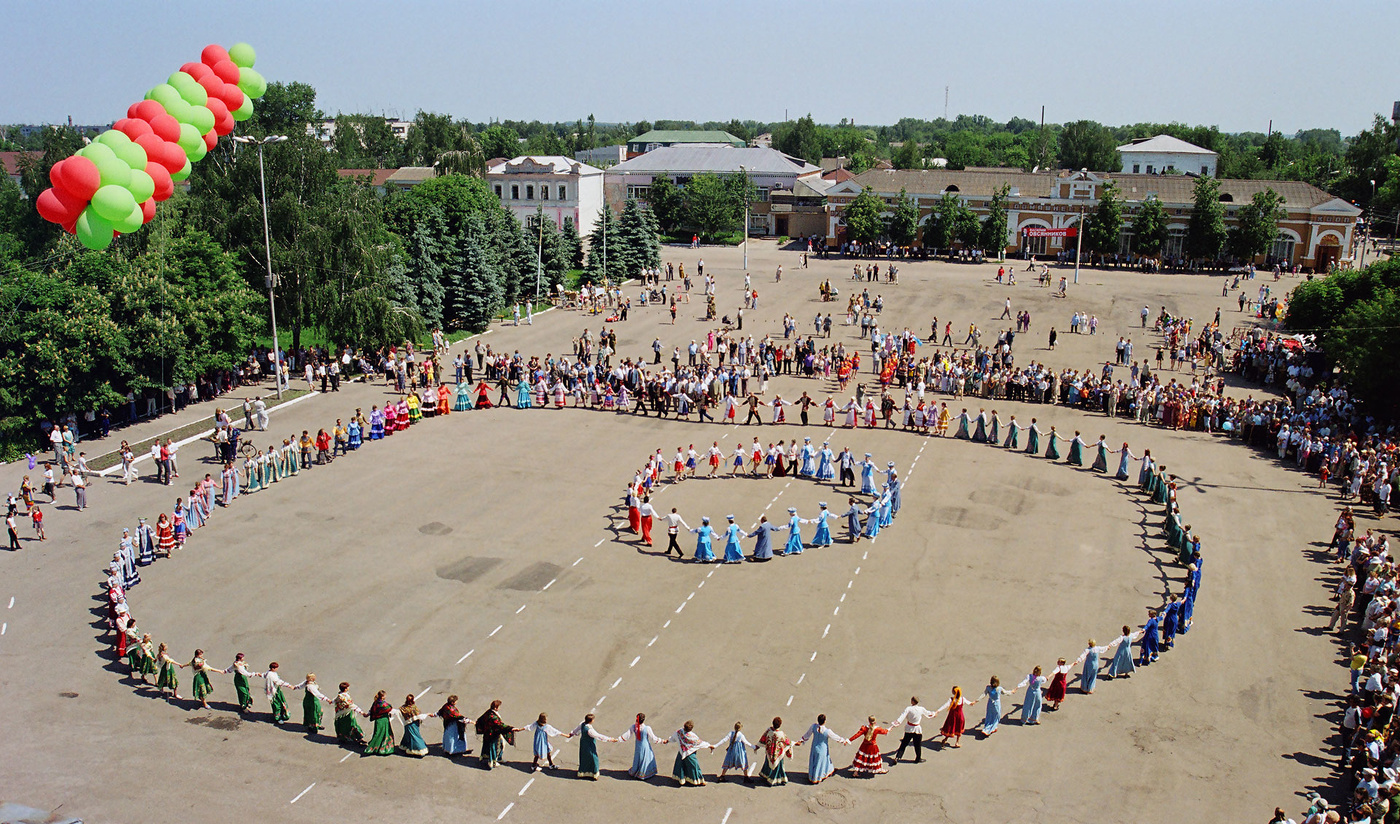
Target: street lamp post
<point>745,173</point>
<point>267,241</point>
<point>539,256</point>
<point>1078,241</point>
<point>1367,241</point>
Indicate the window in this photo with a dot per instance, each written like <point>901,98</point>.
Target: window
<point>515,191</point>
<point>530,192</point>
<point>1125,243</point>
<point>1149,168</point>
<point>544,192</point>
<point>762,194</point>
<point>638,192</point>
<point>1136,167</point>
<point>1033,245</point>
<point>1282,250</point>
<point>562,195</point>
<point>498,191</point>
<point>1205,171</point>
<point>1176,242</point>
<point>1227,198</point>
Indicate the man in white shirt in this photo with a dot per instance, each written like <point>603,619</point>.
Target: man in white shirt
<point>674,523</point>
<point>912,718</point>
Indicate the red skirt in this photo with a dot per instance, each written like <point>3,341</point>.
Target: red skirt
<point>868,758</point>
<point>1057,688</point>
<point>634,519</point>
<point>955,724</point>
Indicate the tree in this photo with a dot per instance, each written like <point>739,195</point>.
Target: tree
<point>1205,233</point>
<point>573,244</point>
<point>994,226</point>
<point>942,222</point>
<point>609,252</point>
<point>1256,225</point>
<point>1105,223</point>
<point>667,202</point>
<point>865,222</point>
<point>903,224</point>
<point>498,141</point>
<point>430,135</point>
<point>800,138</point>
<point>551,254</point>
<point>1085,144</point>
<point>638,238</point>
<point>476,291</point>
<point>1150,228</point>
<point>907,156</point>
<point>711,205</point>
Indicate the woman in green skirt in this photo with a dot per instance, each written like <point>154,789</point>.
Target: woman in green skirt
<point>381,740</point>
<point>494,733</point>
<point>412,742</point>
<point>686,770</point>
<point>311,704</point>
<point>273,684</point>
<point>203,686</point>
<point>347,729</point>
<point>777,748</point>
<point>588,739</point>
<point>148,657</point>
<point>1053,450</point>
<point>242,682</point>
<point>169,678</point>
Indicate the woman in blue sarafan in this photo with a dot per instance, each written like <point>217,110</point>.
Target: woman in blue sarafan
<point>852,517</point>
<point>808,454</point>
<point>819,766</point>
<point>1122,663</point>
<point>994,692</point>
<point>1125,456</point>
<point>1090,658</point>
<point>703,553</point>
<point>980,434</point>
<point>1033,439</point>
<point>994,436</point>
<point>872,519</point>
<point>733,550</point>
<point>462,401</point>
<point>886,508</point>
<point>867,476</point>
<point>822,536</point>
<point>824,464</point>
<point>895,497</point>
<point>1053,450</point>
<point>522,395</point>
<point>1076,450</point>
<point>643,757</point>
<point>794,528</point>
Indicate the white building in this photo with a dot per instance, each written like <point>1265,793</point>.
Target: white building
<point>602,156</point>
<point>1165,154</point>
<point>561,186</point>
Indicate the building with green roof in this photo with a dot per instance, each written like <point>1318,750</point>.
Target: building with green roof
<point>657,138</point>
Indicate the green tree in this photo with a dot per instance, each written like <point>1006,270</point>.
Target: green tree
<point>667,202</point>
<point>994,226</point>
<point>1085,144</point>
<point>609,252</point>
<point>943,221</point>
<point>907,156</point>
<point>1150,228</point>
<point>903,224</point>
<point>1256,225</point>
<point>1105,224</point>
<point>429,135</point>
<point>865,222</point>
<point>1205,233</point>
<point>801,138</point>
<point>498,141</point>
<point>711,205</point>
<point>637,236</point>
<point>573,244</point>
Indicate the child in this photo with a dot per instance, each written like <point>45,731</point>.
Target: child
<point>37,515</point>
<point>543,732</point>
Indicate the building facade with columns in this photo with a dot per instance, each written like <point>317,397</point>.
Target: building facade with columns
<point>560,186</point>
<point>1316,231</point>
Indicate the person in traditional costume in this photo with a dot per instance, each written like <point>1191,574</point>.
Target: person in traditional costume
<point>381,739</point>
<point>777,747</point>
<point>819,766</point>
<point>1145,473</point>
<point>145,543</point>
<point>994,433</point>
<point>825,472</point>
<point>1122,663</point>
<point>868,761</point>
<point>1059,682</point>
<point>522,395</point>
<point>980,434</point>
<point>347,729</point>
<point>272,687</point>
<point>230,484</point>
<point>963,421</point>
<point>412,743</point>
<point>1100,455</point>
<point>588,766</point>
<point>542,731</point>
<point>829,412</point>
<point>1090,674</point>
<point>733,550</point>
<point>252,472</point>
<point>686,770</point>
<point>763,547</point>
<point>794,528</point>
<point>1033,439</point>
<point>391,418</point>
<point>1076,450</point>
<point>203,687</point>
<point>943,419</point>
<point>444,399</point>
<point>643,757</point>
<point>1124,456</point>
<point>147,666</point>
<point>1035,686</point>
<point>454,728</point>
<point>242,681</point>
<point>808,466</point>
<point>462,400</point>
<point>852,517</point>
<point>867,476</point>
<point>169,678</point>
<point>1013,434</point>
<point>178,526</point>
<point>703,551</point>
<point>1149,639</point>
<point>1171,615</point>
<point>736,753</point>
<point>165,536</point>
<point>195,513</point>
<point>872,518</point>
<point>311,704</point>
<point>956,722</point>
<point>1052,451</point>
<point>494,734</point>
<point>822,537</point>
<point>993,693</point>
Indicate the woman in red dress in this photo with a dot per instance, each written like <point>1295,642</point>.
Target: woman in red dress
<point>1056,693</point>
<point>954,725</point>
<point>165,535</point>
<point>868,759</point>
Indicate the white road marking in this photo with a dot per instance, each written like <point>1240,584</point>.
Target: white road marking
<point>423,693</point>
<point>653,640</point>
<point>790,697</point>
<point>850,583</point>
<point>667,624</point>
<point>775,500</point>
<point>814,656</point>
<point>506,810</point>
<point>3,627</point>
<point>843,597</point>
<point>789,483</point>
<point>691,595</point>
<point>866,554</point>
<point>701,584</point>
<point>681,607</point>
<point>857,572</point>
<point>303,792</point>
<point>12,603</point>
<point>550,584</point>
<point>600,701</point>
<point>837,612</point>
<point>825,631</point>
<point>522,609</point>
<point>526,787</point>
<point>496,630</point>
<point>595,546</point>
<point>615,683</point>
<point>465,657</point>
<point>725,820</point>
<point>802,678</point>
<point>576,563</point>
<point>712,572</point>
<point>634,662</point>
<point>346,758</point>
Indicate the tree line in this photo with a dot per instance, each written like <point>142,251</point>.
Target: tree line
<point>1354,314</point>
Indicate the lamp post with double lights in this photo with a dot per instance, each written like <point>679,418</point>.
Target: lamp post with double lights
<point>267,241</point>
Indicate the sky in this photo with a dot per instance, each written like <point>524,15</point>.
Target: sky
<point>1235,64</point>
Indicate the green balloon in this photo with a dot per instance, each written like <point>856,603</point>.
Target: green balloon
<point>113,139</point>
<point>182,82</point>
<point>201,119</point>
<point>113,202</point>
<point>242,55</point>
<point>195,95</point>
<point>142,186</point>
<point>112,170</point>
<point>189,138</point>
<point>132,155</point>
<point>180,110</point>
<point>199,152</point>
<point>183,173</point>
<point>245,111</point>
<point>252,83</point>
<point>164,94</point>
<point>92,231</point>
<point>131,222</point>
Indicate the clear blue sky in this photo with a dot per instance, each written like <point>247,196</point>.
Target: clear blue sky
<point>1228,63</point>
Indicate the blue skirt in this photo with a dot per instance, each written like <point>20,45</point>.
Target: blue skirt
<point>452,741</point>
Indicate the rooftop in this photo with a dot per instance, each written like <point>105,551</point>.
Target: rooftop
<point>1163,143</point>
<point>718,158</point>
<point>686,136</point>
<point>375,177</point>
<point>541,164</point>
<point>11,160</point>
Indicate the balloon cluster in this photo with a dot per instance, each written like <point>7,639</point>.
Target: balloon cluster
<point>113,184</point>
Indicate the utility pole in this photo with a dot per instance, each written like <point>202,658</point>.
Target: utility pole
<point>267,240</point>
<point>945,102</point>
<point>1078,241</point>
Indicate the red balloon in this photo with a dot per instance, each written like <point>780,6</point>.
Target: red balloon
<point>169,155</point>
<point>212,85</point>
<point>212,54</point>
<point>71,227</point>
<point>211,139</point>
<point>148,210</point>
<point>133,128</point>
<point>221,113</point>
<point>165,186</point>
<point>166,127</point>
<point>225,126</point>
<point>80,178</point>
<point>58,208</point>
<point>227,71</point>
<point>146,110</point>
<point>56,173</point>
<point>232,96</point>
<point>195,70</point>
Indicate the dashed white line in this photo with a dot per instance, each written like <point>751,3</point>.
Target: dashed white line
<point>346,758</point>
<point>303,792</point>
<point>600,701</point>
<point>865,554</point>
<point>857,572</point>
<point>825,631</point>
<point>615,683</point>
<point>653,640</point>
<point>595,546</point>
<point>837,612</point>
<point>725,820</point>
<point>802,678</point>
<point>634,662</point>
<point>701,584</point>
<point>712,572</point>
<point>843,597</point>
<point>790,697</point>
<point>814,656</point>
<point>775,500</point>
<point>850,583</point>
<point>496,630</point>
<point>576,563</point>
<point>691,595</point>
<point>681,607</point>
<point>522,609</point>
<point>423,693</point>
<point>667,624</point>
<point>506,810</point>
<point>526,787</point>
<point>3,627</point>
<point>548,585</point>
<point>12,603</point>
<point>465,657</point>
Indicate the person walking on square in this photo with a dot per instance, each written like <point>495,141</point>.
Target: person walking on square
<point>912,718</point>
